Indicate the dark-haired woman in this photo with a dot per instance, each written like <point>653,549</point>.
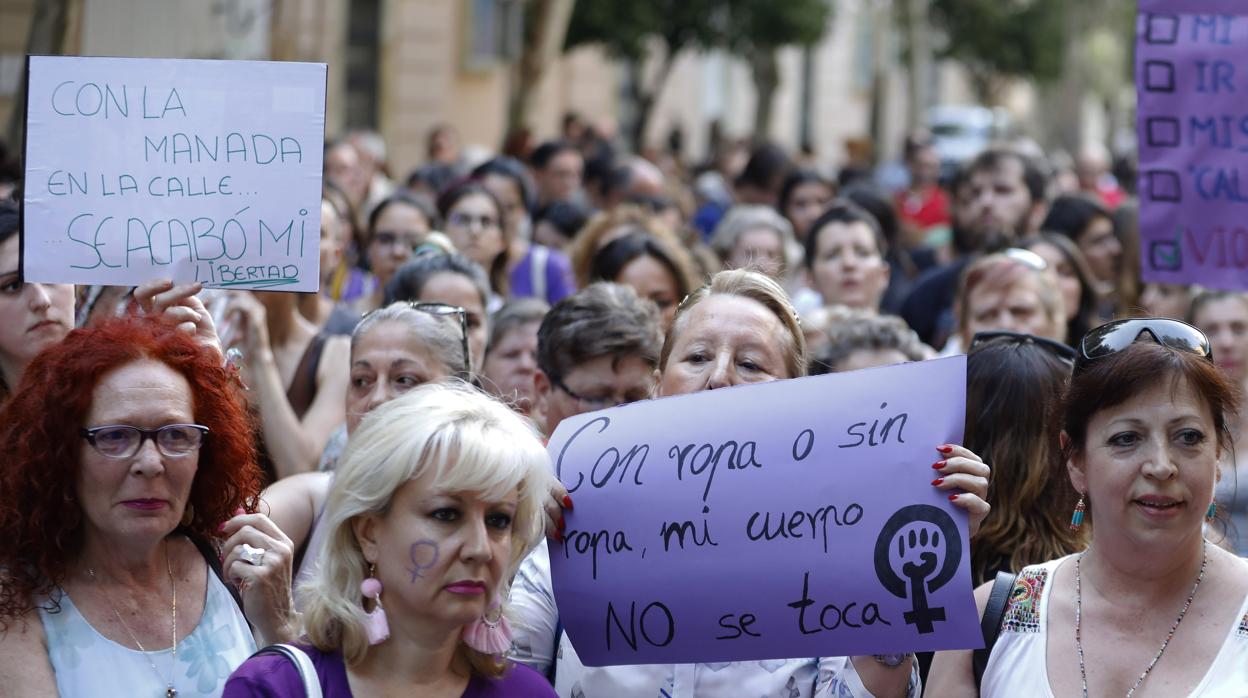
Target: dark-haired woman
<point>474,223</point>
<point>1074,279</point>
<point>1012,382</point>
<point>111,511</point>
<point>396,227</point>
<point>1149,608</point>
<point>654,270</point>
<point>1089,225</point>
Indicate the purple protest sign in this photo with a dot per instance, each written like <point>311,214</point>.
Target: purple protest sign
<point>1193,133</point>
<point>786,519</point>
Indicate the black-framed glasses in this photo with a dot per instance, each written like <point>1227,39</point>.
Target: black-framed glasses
<point>447,310</point>
<point>1113,337</point>
<point>592,403</point>
<point>1061,350</point>
<point>124,441</point>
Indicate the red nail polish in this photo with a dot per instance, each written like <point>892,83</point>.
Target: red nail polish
<point>938,464</point>
<point>945,449</point>
<point>567,501</point>
<point>953,497</point>
<point>558,536</point>
<point>560,525</point>
<point>937,481</point>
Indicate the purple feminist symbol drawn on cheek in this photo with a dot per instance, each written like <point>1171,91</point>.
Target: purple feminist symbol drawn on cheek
<point>424,554</point>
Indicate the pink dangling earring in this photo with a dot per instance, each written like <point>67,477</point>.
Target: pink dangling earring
<point>1077,519</point>
<point>376,627</point>
<point>489,634</point>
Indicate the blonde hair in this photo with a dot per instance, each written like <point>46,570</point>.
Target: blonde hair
<point>755,286</point>
<point>607,226</point>
<point>463,440</point>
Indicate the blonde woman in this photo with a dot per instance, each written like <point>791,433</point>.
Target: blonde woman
<point>434,505</point>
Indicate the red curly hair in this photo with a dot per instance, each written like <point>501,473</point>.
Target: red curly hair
<point>41,520</point>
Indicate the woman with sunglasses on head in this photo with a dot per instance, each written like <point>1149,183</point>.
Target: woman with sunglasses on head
<point>1149,608</point>
<point>739,329</point>
<point>1014,290</point>
<point>128,446</point>
<point>449,279</point>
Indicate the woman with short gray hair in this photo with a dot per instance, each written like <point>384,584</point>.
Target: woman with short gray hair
<point>755,237</point>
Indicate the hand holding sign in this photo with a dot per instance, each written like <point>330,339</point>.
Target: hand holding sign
<point>788,524</point>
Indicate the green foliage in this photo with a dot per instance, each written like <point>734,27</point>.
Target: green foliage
<point>1004,38</point>
<point>771,24</point>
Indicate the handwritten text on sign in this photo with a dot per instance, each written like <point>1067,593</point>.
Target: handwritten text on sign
<point>1193,133</point>
<point>788,519</point>
<point>190,169</point>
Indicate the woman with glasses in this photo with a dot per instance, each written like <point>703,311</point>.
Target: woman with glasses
<point>397,225</point>
<point>474,222</point>
<point>1014,290</point>
<point>1149,608</point>
<point>1012,382</point>
<point>739,329</point>
<point>128,445</point>
<point>393,351</point>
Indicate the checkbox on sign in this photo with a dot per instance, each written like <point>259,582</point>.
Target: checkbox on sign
<point>1162,131</point>
<point>1165,255</point>
<point>1164,185</point>
<point>1162,29</point>
<point>1159,76</point>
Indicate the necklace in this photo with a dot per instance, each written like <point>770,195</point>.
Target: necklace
<point>170,691</point>
<point>1083,671</point>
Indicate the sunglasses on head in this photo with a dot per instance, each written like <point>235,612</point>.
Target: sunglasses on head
<point>1113,337</point>
<point>1058,349</point>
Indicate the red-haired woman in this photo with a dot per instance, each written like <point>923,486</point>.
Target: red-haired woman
<point>128,445</point>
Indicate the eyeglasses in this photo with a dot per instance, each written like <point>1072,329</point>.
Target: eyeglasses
<point>447,310</point>
<point>1113,337</point>
<point>124,441</point>
<point>592,403</point>
<point>466,220</point>
<point>1058,349</point>
<point>387,238</point>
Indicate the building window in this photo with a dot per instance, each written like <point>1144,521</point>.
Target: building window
<point>363,64</point>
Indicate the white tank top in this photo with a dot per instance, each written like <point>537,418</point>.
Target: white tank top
<point>87,664</point>
<point>1018,666</point>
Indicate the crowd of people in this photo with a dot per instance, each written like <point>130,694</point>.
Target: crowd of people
<point>355,482</point>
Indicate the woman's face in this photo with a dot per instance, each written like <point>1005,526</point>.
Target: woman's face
<point>848,269</point>
<point>806,204</point>
<point>141,498</point>
<point>723,341</point>
<point>1149,465</point>
<point>474,227</point>
<point>1225,321</point>
<point>1067,278</point>
<point>333,241</point>
<point>761,249</point>
<point>1102,249</point>
<point>1015,308</point>
<point>389,360</point>
<point>651,279</point>
<point>400,229</point>
<point>456,289</point>
<point>440,556</point>
<point>509,367</point>
<point>1166,300</point>
<point>511,199</point>
<point>32,316</point>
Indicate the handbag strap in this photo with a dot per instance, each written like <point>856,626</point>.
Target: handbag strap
<point>302,662</point>
<point>990,624</point>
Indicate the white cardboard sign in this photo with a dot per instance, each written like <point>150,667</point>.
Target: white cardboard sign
<point>195,170</point>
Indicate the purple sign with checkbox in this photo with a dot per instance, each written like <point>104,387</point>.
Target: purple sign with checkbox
<point>794,518</point>
<point>1192,84</point>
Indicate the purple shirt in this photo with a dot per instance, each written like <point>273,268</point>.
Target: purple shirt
<point>555,270</point>
<point>274,676</point>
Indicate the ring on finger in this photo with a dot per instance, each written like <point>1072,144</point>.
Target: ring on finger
<point>252,555</point>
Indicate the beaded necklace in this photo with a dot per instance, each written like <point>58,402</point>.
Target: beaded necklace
<point>1083,671</point>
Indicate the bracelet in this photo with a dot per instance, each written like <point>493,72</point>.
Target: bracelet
<point>890,660</point>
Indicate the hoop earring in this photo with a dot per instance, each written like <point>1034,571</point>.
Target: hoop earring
<point>1076,520</point>
<point>376,627</point>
